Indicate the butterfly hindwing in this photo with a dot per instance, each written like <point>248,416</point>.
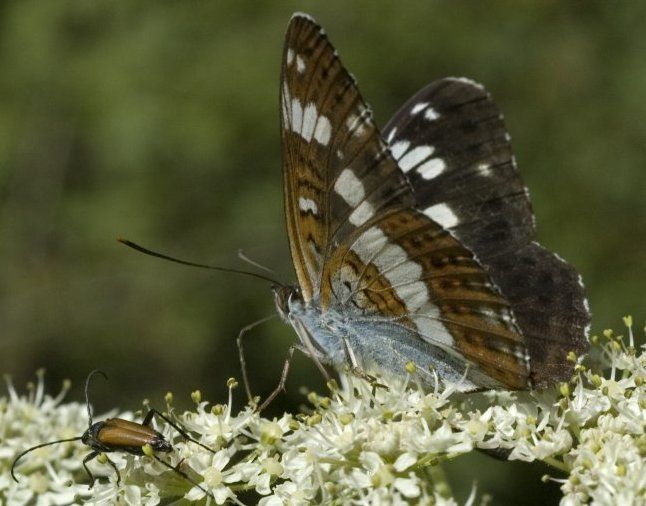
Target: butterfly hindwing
<point>550,307</point>
<point>451,142</point>
<point>410,272</point>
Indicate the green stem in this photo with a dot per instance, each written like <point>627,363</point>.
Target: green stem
<point>440,481</point>
<point>558,464</point>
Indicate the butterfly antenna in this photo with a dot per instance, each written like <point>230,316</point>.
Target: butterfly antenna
<point>87,397</point>
<point>152,253</point>
<point>245,258</point>
<point>13,475</point>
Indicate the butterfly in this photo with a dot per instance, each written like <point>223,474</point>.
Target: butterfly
<point>415,246</point>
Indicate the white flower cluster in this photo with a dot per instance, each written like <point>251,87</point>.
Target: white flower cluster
<point>362,444</point>
<point>48,475</point>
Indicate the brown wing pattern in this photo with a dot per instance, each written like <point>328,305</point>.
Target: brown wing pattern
<point>407,267</point>
<point>337,170</point>
<point>357,240</point>
<point>468,178</point>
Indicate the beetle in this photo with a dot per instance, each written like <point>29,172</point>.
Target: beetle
<point>119,435</point>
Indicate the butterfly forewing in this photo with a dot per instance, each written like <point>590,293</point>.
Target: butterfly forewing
<point>451,142</point>
<point>337,170</point>
<point>358,241</point>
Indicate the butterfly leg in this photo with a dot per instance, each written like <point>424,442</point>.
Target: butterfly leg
<point>243,362</point>
<point>319,365</point>
<point>281,383</point>
<point>309,350</point>
<point>356,369</point>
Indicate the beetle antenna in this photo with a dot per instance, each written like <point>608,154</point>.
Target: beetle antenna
<point>36,448</point>
<point>152,253</point>
<point>87,397</point>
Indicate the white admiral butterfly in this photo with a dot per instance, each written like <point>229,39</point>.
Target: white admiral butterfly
<point>415,247</point>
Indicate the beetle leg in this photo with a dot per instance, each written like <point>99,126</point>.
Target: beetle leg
<point>114,466</point>
<point>178,429</point>
<point>87,459</point>
<point>148,418</point>
<point>183,475</point>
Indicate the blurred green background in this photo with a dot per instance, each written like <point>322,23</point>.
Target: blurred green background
<point>158,121</point>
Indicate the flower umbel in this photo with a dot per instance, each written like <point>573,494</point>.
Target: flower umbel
<point>360,444</point>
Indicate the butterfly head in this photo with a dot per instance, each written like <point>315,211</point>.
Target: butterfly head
<point>285,298</point>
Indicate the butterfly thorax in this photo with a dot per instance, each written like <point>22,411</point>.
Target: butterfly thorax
<point>320,331</point>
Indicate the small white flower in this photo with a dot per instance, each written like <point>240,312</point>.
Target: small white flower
<point>404,461</point>
<point>408,487</point>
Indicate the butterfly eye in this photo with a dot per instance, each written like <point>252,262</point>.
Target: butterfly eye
<point>282,297</point>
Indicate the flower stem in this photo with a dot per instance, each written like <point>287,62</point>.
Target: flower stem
<point>556,463</point>
<point>440,481</point>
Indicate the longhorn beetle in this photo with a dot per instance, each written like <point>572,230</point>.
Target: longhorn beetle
<point>119,435</point>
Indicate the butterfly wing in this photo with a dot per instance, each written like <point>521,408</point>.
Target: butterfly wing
<point>467,180</point>
<point>357,240</point>
<point>326,128</point>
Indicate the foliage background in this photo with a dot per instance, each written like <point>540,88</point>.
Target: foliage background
<point>158,121</point>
